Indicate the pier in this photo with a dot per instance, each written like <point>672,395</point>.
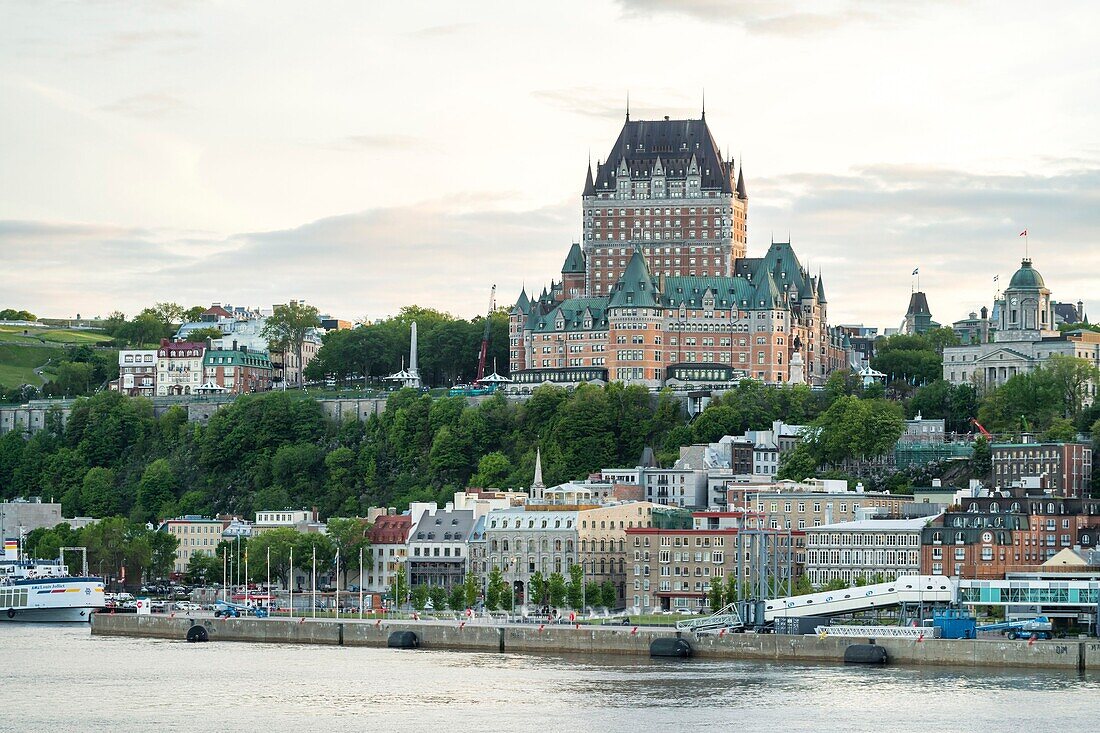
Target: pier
<point>1068,654</point>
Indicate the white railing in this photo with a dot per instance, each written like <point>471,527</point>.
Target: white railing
<point>877,632</point>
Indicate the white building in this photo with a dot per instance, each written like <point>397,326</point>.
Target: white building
<point>864,549</point>
<point>137,372</point>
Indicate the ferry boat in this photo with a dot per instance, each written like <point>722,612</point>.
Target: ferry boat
<point>43,590</point>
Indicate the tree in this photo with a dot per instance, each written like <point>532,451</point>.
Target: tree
<point>609,597</point>
<point>592,593</point>
<point>350,535</point>
<point>835,584</point>
<point>492,469</point>
<point>279,542</point>
<point>457,598</point>
<point>469,590</point>
<point>495,589</point>
<point>98,495</point>
<point>714,595</point>
<point>156,494</point>
<point>207,332</point>
<point>557,590</point>
<point>576,587</point>
<point>982,460</point>
<point>419,597</point>
<point>438,594</point>
<point>399,589</point>
<point>202,568</point>
<point>287,327</point>
<point>537,589</point>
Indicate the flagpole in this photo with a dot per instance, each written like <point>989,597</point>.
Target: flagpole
<point>313,582</point>
<point>225,580</point>
<point>292,581</point>
<point>337,582</point>
<point>267,603</point>
<point>360,583</point>
<point>246,594</point>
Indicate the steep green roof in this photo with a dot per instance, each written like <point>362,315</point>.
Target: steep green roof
<point>820,291</point>
<point>727,291</point>
<point>1027,277</point>
<point>636,287</point>
<point>523,302</point>
<point>571,314</point>
<point>230,357</point>
<point>767,293</point>
<point>574,261</point>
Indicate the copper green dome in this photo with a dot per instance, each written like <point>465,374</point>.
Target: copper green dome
<point>1027,277</point>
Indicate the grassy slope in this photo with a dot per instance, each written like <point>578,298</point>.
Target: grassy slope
<point>21,352</point>
<point>17,363</point>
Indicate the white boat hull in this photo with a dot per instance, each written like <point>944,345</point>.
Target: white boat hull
<point>48,615</point>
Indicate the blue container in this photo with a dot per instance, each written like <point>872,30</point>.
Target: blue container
<point>955,623</point>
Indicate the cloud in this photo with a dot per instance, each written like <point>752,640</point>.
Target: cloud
<point>775,17</point>
<point>444,254</point>
<point>165,41</point>
<point>604,104</point>
<point>439,31</point>
<point>151,105</point>
<point>379,142</point>
<point>864,229</point>
<point>869,228</point>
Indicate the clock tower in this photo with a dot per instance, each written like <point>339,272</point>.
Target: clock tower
<point>1026,311</point>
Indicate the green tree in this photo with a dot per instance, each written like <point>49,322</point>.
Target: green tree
<point>438,594</point>
<point>495,590</point>
<point>98,495</point>
<point>609,597</point>
<point>279,542</point>
<point>399,589</point>
<point>575,591</point>
<point>469,590</point>
<point>982,460</point>
<point>287,327</point>
<point>350,535</point>
<point>492,470</point>
<point>714,595</point>
<point>156,494</point>
<point>537,589</point>
<point>556,589</point>
<point>835,584</point>
<point>419,597</point>
<point>457,599</point>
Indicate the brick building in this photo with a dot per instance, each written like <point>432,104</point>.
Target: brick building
<point>661,290</point>
<point>1063,468</point>
<point>389,536</point>
<point>237,371</point>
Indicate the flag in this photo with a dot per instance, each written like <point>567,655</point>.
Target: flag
<point>916,271</point>
<point>1023,233</point>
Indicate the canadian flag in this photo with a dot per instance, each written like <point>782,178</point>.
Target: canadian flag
<point>1023,233</point>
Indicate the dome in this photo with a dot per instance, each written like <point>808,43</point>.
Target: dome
<point>1027,277</point>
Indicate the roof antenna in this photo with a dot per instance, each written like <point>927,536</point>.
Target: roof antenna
<point>704,103</point>
<point>628,106</point>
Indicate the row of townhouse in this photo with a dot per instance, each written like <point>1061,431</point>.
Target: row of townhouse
<point>192,368</point>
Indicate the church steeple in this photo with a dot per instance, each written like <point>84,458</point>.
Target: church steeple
<point>537,486</point>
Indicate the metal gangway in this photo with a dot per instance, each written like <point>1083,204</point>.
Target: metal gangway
<point>727,618</point>
<point>906,589</point>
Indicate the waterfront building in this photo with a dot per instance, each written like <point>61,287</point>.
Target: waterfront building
<point>196,534</point>
<point>661,290</point>
<point>237,371</point>
<point>179,367</point>
<point>389,537</point>
<point>864,549</point>
<point>673,569</point>
<point>1022,335</point>
<point>438,547</point>
<point>564,528</point>
<point>137,373</point>
<point>1063,468</point>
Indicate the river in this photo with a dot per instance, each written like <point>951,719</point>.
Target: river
<point>61,678</point>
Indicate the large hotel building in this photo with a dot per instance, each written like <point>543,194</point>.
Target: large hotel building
<point>661,290</point>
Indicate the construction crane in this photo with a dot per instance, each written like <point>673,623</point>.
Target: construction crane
<point>485,335</point>
<point>978,425</point>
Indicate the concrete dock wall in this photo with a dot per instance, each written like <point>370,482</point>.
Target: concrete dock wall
<point>623,640</point>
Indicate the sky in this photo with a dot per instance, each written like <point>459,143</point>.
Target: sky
<point>367,156</point>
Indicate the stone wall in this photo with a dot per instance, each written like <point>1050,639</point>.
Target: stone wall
<point>1073,654</point>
